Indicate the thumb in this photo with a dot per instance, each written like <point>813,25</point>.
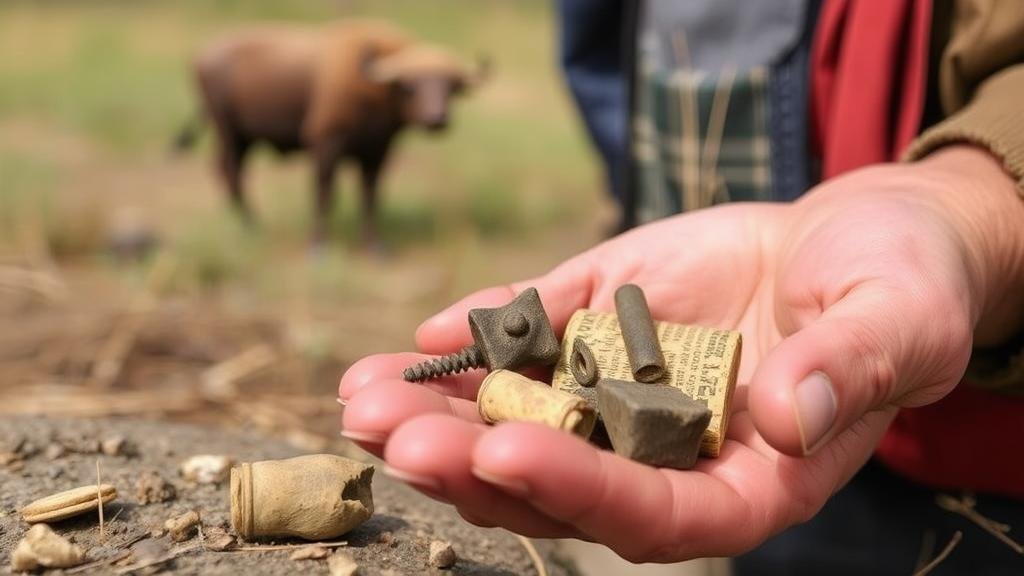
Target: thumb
<point>872,349</point>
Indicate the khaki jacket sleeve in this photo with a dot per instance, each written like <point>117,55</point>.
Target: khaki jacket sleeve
<point>981,83</point>
<point>981,89</point>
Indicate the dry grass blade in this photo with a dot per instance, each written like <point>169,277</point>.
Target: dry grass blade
<point>690,119</point>
<point>110,361</point>
<point>942,555</point>
<point>531,550</point>
<point>965,507</point>
<point>273,547</point>
<point>61,400</point>
<point>713,138</point>
<point>99,500</point>
<point>220,380</point>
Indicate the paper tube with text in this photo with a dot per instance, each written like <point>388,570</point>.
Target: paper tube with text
<point>702,362</point>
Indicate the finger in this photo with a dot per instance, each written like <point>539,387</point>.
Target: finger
<point>434,452</point>
<point>379,408</point>
<point>390,366</point>
<point>643,513</point>
<point>869,351</point>
<point>564,290</point>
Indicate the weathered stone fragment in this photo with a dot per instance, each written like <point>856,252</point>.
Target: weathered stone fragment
<point>651,423</point>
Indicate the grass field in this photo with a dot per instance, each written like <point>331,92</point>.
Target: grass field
<point>91,94</point>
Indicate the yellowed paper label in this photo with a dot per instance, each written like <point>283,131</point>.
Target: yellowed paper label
<point>702,362</point>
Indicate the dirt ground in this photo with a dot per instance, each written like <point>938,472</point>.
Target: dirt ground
<point>394,541</point>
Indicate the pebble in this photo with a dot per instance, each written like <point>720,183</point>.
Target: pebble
<point>218,539</point>
<point>41,547</point>
<point>341,564</point>
<point>68,503</point>
<point>181,527</point>
<point>150,488</point>
<point>206,468</point>
<point>114,446</point>
<point>442,555</point>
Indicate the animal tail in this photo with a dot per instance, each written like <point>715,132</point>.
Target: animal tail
<point>188,134</point>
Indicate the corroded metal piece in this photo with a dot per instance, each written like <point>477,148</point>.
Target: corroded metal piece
<point>583,364</point>
<point>515,335</point>
<point>642,347</point>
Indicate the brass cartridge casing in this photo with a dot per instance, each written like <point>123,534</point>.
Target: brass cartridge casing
<point>507,396</point>
<point>312,497</point>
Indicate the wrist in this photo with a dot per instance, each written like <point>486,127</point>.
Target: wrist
<point>981,203</point>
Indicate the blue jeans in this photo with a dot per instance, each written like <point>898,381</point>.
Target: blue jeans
<point>592,54</point>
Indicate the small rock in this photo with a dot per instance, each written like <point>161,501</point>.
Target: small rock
<point>41,547</point>
<point>114,446</point>
<point>54,451</point>
<point>218,539</point>
<point>341,564</point>
<point>181,527</point>
<point>653,424</point>
<point>385,537</point>
<point>150,487</point>
<point>206,468</point>
<point>442,555</point>
<point>310,553</point>
<point>81,445</point>
<point>54,472</point>
<point>68,503</point>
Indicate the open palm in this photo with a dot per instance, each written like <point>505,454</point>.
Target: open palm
<point>850,304</point>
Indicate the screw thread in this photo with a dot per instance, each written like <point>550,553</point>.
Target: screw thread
<point>465,359</point>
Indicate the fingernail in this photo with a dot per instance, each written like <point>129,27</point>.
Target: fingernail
<point>370,437</point>
<point>428,485</point>
<point>815,404</point>
<point>513,486</point>
<point>341,401</point>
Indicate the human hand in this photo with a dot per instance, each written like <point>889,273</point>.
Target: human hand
<point>861,298</point>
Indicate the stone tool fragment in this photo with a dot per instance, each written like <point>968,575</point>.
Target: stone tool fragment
<point>646,360</point>
<point>507,396</point>
<point>656,425</point>
<point>442,555</point>
<point>69,503</point>
<point>515,335</point>
<point>313,497</point>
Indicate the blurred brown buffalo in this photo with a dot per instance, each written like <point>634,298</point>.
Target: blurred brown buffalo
<point>340,91</point>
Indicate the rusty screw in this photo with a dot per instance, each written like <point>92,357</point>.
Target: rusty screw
<point>515,335</point>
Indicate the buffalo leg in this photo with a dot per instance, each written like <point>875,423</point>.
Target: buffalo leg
<point>370,168</point>
<point>327,156</point>
<point>232,160</point>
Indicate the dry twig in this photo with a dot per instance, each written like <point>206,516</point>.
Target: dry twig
<point>965,507</point>
<point>942,555</point>
<point>538,562</point>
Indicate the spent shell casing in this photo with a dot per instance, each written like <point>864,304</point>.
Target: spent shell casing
<point>646,360</point>
<point>507,396</point>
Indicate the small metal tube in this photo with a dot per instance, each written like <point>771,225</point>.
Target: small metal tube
<point>507,396</point>
<point>646,360</point>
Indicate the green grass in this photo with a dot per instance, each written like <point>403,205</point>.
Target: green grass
<point>112,77</point>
